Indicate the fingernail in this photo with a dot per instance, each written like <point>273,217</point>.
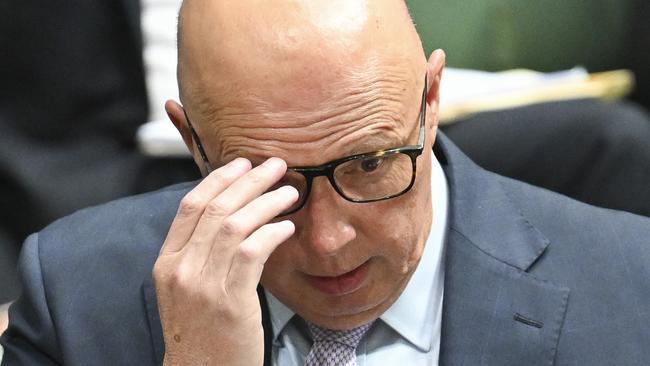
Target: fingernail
<point>288,224</point>
<point>273,163</point>
<point>288,191</point>
<point>241,163</point>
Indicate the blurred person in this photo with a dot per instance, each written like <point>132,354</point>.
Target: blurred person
<point>260,263</point>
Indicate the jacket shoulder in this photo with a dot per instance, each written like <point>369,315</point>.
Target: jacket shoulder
<point>106,251</point>
<point>83,280</point>
<point>558,216</point>
<point>131,224</point>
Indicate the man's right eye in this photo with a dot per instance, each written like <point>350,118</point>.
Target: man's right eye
<point>369,165</point>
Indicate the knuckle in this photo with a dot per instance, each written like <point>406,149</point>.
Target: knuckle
<point>190,204</point>
<point>175,279</point>
<point>221,175</point>
<point>256,177</point>
<point>162,270</point>
<point>231,227</point>
<point>217,208</point>
<point>227,310</point>
<point>158,272</point>
<point>179,278</point>
<point>247,253</point>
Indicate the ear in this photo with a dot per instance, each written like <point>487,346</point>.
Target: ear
<point>177,116</point>
<point>435,66</point>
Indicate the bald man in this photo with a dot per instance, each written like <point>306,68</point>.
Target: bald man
<point>333,226</point>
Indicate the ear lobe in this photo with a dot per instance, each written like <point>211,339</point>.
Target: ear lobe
<point>177,117</point>
<point>435,66</point>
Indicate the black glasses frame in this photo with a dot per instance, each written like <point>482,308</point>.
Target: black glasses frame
<point>327,169</point>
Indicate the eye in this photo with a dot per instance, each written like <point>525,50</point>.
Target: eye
<point>371,164</point>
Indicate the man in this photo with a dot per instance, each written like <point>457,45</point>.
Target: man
<point>348,248</point>
<point>50,88</point>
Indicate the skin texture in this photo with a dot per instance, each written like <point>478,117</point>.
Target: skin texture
<point>302,83</point>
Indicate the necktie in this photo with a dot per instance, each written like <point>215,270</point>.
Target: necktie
<point>334,347</point>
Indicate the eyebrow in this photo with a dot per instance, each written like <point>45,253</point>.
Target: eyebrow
<point>372,143</point>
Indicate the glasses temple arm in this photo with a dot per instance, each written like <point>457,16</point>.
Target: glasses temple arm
<point>423,112</point>
<point>199,145</point>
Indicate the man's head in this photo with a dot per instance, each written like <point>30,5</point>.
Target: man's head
<point>311,82</point>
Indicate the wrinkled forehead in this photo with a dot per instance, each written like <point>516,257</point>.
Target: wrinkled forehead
<point>229,51</point>
<point>317,122</point>
<point>294,78</point>
<point>294,91</point>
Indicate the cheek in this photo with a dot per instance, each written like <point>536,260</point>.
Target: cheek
<point>282,260</point>
<point>399,228</point>
<point>396,232</point>
<point>278,274</point>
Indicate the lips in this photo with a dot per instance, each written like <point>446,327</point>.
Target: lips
<point>341,284</point>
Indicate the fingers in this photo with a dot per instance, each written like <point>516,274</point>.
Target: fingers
<point>193,204</point>
<point>258,212</point>
<point>251,255</point>
<point>238,226</point>
<point>255,183</point>
<point>222,226</point>
<point>215,227</point>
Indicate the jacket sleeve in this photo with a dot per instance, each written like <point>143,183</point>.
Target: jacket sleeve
<point>31,337</point>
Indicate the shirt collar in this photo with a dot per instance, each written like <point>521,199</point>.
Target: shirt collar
<point>414,312</point>
<point>280,314</point>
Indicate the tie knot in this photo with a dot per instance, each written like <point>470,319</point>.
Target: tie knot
<point>349,337</point>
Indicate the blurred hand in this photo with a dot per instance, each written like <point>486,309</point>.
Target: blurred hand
<point>210,265</point>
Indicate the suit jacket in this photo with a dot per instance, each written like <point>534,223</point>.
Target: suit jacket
<point>532,278</point>
<point>73,93</point>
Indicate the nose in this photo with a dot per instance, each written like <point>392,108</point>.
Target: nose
<point>322,225</point>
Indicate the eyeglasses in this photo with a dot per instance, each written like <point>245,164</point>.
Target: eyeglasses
<point>360,178</point>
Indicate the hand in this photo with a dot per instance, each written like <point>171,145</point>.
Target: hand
<point>210,265</point>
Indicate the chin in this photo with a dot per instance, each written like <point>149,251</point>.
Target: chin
<point>349,310</point>
<point>345,318</point>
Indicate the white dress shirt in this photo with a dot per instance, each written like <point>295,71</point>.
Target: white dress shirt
<point>408,333</point>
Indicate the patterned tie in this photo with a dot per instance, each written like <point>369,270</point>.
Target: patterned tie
<point>334,347</point>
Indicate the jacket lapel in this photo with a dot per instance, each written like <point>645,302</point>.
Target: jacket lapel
<point>153,317</point>
<point>494,311</point>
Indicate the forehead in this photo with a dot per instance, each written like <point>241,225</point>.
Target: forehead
<point>312,121</point>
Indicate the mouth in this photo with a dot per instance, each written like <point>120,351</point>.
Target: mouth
<point>341,284</point>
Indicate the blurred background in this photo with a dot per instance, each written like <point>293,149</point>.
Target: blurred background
<point>545,35</point>
<point>79,78</point>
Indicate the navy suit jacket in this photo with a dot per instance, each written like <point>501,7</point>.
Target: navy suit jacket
<point>532,278</point>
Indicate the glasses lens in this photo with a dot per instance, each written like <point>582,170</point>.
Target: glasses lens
<point>374,177</point>
<point>297,181</point>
